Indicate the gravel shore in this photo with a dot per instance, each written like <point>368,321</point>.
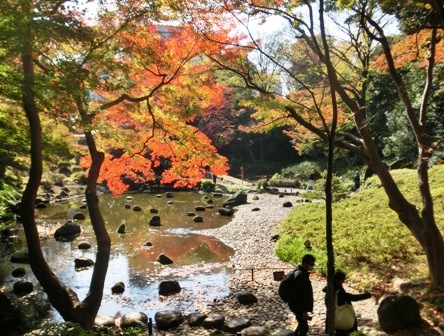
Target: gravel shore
<point>249,234</point>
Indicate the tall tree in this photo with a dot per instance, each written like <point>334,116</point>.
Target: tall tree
<point>362,25</point>
<point>75,73</point>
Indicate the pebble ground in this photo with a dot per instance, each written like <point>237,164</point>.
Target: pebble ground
<point>249,234</point>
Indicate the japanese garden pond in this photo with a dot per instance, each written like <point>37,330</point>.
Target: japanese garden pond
<point>201,262</point>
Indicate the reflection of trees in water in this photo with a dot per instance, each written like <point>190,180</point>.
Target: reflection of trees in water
<point>173,238</point>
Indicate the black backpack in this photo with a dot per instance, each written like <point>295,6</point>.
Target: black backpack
<point>286,287</point>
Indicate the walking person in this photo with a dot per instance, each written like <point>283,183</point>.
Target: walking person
<point>344,298</point>
<point>311,180</point>
<point>301,301</point>
<point>357,181</point>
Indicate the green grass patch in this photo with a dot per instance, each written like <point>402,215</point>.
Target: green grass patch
<point>369,240</point>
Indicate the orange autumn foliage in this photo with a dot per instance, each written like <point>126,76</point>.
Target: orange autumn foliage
<point>413,48</point>
<point>168,83</point>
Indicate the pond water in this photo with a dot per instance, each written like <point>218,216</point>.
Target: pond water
<point>201,263</point>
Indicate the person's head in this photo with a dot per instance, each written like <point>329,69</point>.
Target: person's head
<point>339,277</point>
<point>308,262</point>
<point>313,171</point>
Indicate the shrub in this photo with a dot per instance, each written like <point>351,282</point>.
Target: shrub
<point>208,186</point>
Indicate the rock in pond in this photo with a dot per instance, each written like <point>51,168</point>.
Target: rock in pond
<point>226,212</point>
<point>84,245</point>
<point>83,262</point>
<point>22,287</point>
<point>169,287</point>
<point>20,258</point>
<point>79,216</point>
<point>18,272</point>
<point>67,232</point>
<point>155,221</point>
<point>118,288</point>
<point>164,260</point>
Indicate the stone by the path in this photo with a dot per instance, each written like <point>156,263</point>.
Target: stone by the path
<point>283,332</point>
<point>287,204</point>
<point>196,319</point>
<point>246,298</point>
<point>199,208</point>
<point>169,194</point>
<point>397,312</point>
<point>236,324</point>
<point>127,206</point>
<point>213,321</point>
<point>105,321</point>
<point>237,199</point>
<point>169,287</point>
<point>168,319</point>
<point>154,210</point>
<point>255,331</point>
<point>134,319</point>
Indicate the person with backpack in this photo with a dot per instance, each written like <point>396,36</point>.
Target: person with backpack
<point>296,290</point>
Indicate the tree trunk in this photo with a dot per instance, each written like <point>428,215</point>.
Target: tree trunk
<point>64,300</point>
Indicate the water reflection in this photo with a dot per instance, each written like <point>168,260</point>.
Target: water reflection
<point>200,262</point>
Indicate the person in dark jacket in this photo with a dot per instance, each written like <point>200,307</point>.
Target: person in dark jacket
<point>301,302</point>
<point>343,298</point>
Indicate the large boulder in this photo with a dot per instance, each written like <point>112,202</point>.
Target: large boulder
<point>238,199</point>
<point>398,312</point>
<point>134,319</point>
<point>168,319</point>
<point>67,232</point>
<point>169,287</point>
